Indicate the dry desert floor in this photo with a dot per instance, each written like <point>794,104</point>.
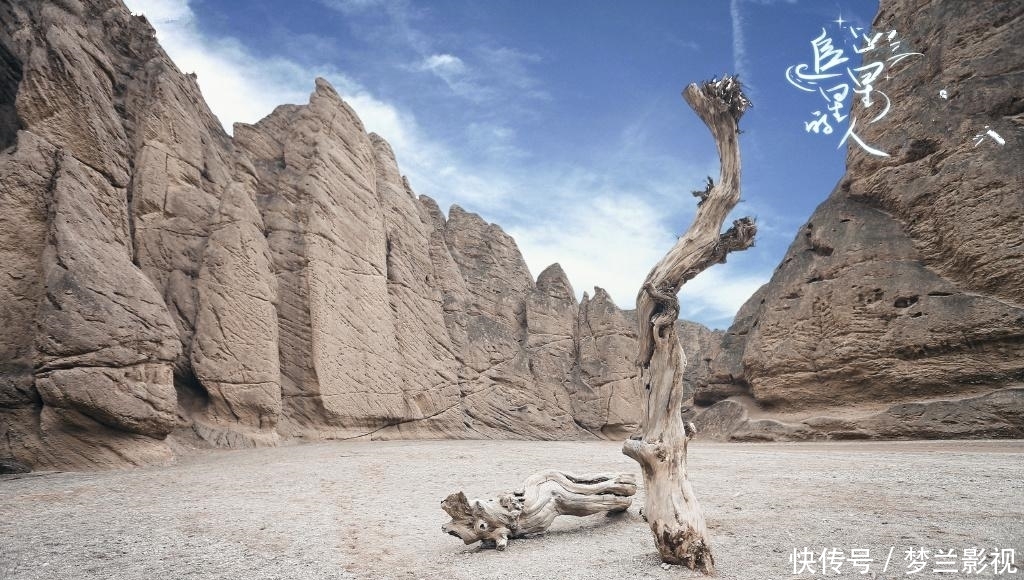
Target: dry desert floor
<point>372,510</point>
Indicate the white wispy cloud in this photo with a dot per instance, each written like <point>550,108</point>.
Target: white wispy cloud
<point>460,79</point>
<point>443,64</point>
<point>242,87</point>
<point>715,294</point>
<point>497,141</point>
<point>613,240</point>
<point>395,26</point>
<point>496,74</point>
<point>739,49</point>
<point>684,43</point>
<point>483,72</point>
<point>511,67</point>
<point>609,240</point>
<point>352,6</point>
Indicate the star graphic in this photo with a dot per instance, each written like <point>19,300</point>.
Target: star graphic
<point>840,20</point>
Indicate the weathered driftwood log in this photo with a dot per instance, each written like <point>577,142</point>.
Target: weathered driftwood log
<point>671,507</point>
<point>531,509</point>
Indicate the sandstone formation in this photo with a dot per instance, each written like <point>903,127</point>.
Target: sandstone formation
<point>700,345</point>
<point>164,283</point>
<point>607,386</point>
<point>905,289</point>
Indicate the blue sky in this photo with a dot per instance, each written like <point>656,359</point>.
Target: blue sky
<point>561,120</point>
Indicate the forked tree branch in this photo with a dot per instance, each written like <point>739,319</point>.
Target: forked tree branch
<point>720,104</point>
<point>672,510</point>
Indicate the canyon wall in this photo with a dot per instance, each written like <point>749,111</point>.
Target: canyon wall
<point>898,309</point>
<point>164,284</point>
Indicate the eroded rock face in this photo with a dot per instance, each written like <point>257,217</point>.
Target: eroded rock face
<point>424,353</point>
<point>362,339</point>
<point>700,346</point>
<point>164,280</point>
<point>234,352</point>
<point>89,378</point>
<point>509,381</point>
<point>905,284</point>
<point>996,414</point>
<point>160,279</point>
<point>607,400</point>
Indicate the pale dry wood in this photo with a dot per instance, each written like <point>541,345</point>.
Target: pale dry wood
<point>532,508</point>
<point>671,508</point>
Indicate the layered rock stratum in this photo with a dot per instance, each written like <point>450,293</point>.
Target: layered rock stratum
<point>898,309</point>
<point>165,284</point>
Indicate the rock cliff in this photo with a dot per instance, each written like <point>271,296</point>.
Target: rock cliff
<point>903,295</point>
<point>165,284</point>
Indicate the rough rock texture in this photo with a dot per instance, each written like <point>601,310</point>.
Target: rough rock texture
<point>163,283</point>
<point>90,343</point>
<point>496,377</point>
<point>362,342</point>
<point>551,314</point>
<point>234,351</point>
<point>907,284</point>
<point>700,346</point>
<point>608,394</point>
<point>997,414</point>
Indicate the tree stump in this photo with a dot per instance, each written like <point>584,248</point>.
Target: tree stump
<point>532,508</point>
<point>671,508</point>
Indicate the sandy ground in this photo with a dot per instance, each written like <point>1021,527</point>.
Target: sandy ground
<point>371,510</point>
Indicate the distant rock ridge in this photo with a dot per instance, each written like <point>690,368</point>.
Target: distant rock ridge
<point>903,294</point>
<point>166,285</point>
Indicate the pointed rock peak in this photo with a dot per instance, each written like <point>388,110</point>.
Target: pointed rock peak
<point>323,87</point>
<point>432,208</point>
<point>431,214</point>
<point>141,21</point>
<point>387,166</point>
<point>459,215</point>
<point>586,298</point>
<point>553,282</point>
<point>325,101</point>
<point>601,295</point>
<point>695,327</point>
<point>460,220</point>
<point>382,144</point>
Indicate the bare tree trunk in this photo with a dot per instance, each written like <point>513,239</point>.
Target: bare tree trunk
<point>671,507</point>
<point>531,509</point>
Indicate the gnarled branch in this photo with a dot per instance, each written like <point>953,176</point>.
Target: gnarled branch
<point>532,508</point>
<point>671,507</point>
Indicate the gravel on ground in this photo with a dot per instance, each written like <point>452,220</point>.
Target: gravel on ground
<point>371,510</point>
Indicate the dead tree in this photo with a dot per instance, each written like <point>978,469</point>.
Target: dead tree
<point>671,508</point>
<point>531,509</point>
